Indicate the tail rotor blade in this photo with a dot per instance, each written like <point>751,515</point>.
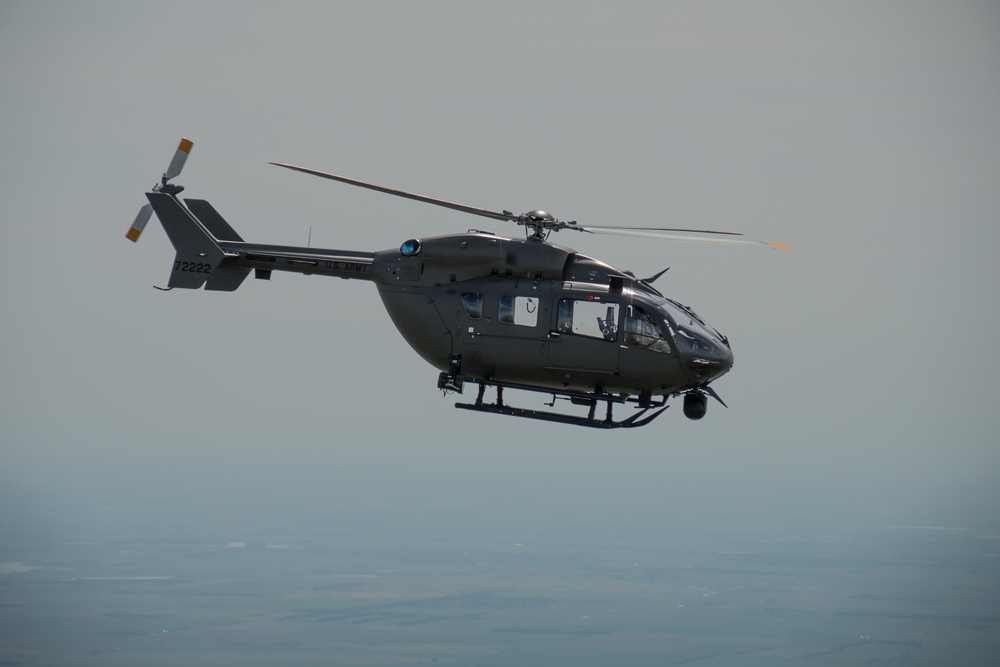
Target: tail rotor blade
<point>180,157</point>
<point>176,164</point>
<point>139,223</point>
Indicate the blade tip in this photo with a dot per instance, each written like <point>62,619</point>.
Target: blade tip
<point>133,234</point>
<point>780,246</point>
<point>186,145</point>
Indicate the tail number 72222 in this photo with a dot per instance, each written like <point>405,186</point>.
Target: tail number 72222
<point>192,267</point>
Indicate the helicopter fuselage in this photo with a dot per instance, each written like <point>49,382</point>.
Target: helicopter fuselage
<point>516,313</point>
<point>521,311</point>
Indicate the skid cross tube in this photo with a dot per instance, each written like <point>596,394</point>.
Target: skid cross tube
<point>640,418</point>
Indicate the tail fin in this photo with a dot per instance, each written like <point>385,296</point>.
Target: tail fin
<point>214,222</point>
<point>199,258</point>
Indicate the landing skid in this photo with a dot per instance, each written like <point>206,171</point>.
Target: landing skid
<point>590,399</point>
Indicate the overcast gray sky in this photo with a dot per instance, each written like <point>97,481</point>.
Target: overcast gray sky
<point>864,133</point>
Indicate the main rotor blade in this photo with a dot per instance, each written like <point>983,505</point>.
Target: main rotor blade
<point>400,193</point>
<point>662,229</point>
<point>618,231</point>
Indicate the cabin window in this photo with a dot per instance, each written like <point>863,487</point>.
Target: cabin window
<point>595,319</point>
<point>519,310</point>
<point>643,330</point>
<point>473,304</point>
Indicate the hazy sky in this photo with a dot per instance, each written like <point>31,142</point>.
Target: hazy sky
<point>866,134</point>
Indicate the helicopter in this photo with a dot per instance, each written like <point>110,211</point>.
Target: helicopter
<point>508,313</point>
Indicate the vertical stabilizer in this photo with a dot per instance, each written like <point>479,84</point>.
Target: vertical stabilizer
<point>197,252</point>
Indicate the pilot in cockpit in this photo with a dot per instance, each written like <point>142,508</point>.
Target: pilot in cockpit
<point>643,330</point>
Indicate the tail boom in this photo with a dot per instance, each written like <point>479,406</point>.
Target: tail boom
<point>319,261</point>
<point>211,254</point>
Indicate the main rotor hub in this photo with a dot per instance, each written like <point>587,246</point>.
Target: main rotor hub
<point>539,215</point>
<point>539,223</point>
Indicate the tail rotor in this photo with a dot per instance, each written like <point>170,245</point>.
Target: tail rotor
<point>175,167</point>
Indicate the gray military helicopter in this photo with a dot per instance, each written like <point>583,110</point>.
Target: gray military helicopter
<point>508,313</point>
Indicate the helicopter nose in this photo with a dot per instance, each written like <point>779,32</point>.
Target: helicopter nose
<point>708,365</point>
<point>727,363</point>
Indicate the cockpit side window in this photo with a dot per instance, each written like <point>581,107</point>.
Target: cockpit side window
<point>473,304</point>
<point>643,330</point>
<point>595,319</point>
<point>519,310</point>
